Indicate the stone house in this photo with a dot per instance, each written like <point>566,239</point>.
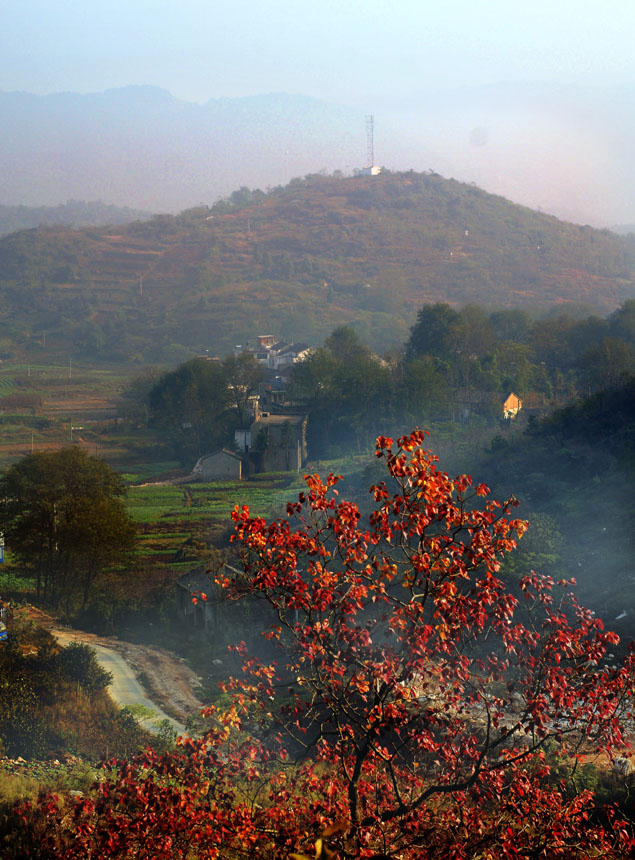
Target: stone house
<point>222,465</point>
<point>274,443</point>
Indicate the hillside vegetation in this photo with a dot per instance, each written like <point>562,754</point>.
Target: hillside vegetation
<point>55,701</point>
<point>319,252</point>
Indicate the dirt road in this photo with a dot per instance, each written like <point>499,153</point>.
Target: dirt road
<point>125,689</point>
<point>142,674</point>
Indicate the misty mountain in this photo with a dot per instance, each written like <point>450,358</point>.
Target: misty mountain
<point>296,262</point>
<point>563,149</point>
<point>141,147</point>
<point>73,213</point>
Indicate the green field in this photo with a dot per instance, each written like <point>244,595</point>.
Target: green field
<point>168,516</point>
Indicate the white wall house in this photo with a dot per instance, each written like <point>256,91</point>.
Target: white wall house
<point>219,466</point>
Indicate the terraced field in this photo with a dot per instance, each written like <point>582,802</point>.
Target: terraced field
<point>174,521</point>
<point>168,517</point>
<point>46,406</point>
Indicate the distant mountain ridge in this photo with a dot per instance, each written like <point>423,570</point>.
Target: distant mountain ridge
<point>296,262</point>
<point>73,213</point>
<point>140,146</point>
<point>563,149</point>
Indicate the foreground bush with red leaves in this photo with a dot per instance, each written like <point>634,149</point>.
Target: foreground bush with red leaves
<point>411,708</point>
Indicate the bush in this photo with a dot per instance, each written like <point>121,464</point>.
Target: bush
<point>78,662</point>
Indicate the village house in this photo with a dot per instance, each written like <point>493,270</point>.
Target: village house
<point>512,406</point>
<point>205,610</point>
<point>269,441</point>
<point>201,602</point>
<point>222,465</point>
<point>275,354</point>
<point>274,443</point>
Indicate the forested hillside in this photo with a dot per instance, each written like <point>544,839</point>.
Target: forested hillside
<point>573,473</point>
<point>297,261</point>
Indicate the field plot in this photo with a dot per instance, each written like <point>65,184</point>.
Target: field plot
<point>168,516</point>
<point>44,407</point>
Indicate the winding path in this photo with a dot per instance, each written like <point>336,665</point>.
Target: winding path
<point>124,688</point>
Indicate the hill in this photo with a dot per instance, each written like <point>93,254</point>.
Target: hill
<point>297,261</point>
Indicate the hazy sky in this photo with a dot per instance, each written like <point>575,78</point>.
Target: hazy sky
<point>355,52</point>
<point>565,148</point>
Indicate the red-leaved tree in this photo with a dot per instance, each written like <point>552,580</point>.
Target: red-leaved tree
<point>415,706</point>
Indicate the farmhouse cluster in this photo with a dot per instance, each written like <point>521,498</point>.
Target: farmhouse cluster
<point>274,436</point>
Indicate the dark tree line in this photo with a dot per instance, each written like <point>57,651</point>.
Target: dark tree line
<point>198,405</point>
<point>509,349</point>
<point>458,365</point>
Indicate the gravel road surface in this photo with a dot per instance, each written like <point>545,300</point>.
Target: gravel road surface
<point>124,689</point>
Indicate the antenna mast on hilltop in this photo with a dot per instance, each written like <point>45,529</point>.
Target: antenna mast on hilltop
<point>370,139</point>
<point>371,168</point>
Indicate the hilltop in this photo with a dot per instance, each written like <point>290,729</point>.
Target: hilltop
<point>560,147</point>
<point>297,261</point>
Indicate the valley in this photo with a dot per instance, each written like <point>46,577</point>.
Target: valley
<point>317,431</point>
<point>107,404</point>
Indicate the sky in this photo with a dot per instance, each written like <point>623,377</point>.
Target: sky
<point>358,53</point>
<point>420,67</point>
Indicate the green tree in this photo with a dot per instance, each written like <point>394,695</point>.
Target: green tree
<point>344,345</point>
<point>434,332</point>
<point>243,374</point>
<point>78,662</point>
<point>473,332</point>
<point>135,396</point>
<point>511,325</point>
<point>63,518</point>
<point>550,341</point>
<point>347,390</point>
<point>423,394</point>
<point>191,405</point>
<point>606,365</point>
<point>622,322</point>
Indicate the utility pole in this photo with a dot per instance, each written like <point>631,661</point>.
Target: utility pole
<point>70,368</point>
<point>141,285</point>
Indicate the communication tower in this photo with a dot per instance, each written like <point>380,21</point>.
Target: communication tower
<point>371,169</point>
<point>370,140</point>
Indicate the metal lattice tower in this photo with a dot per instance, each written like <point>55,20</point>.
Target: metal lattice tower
<point>370,139</point>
